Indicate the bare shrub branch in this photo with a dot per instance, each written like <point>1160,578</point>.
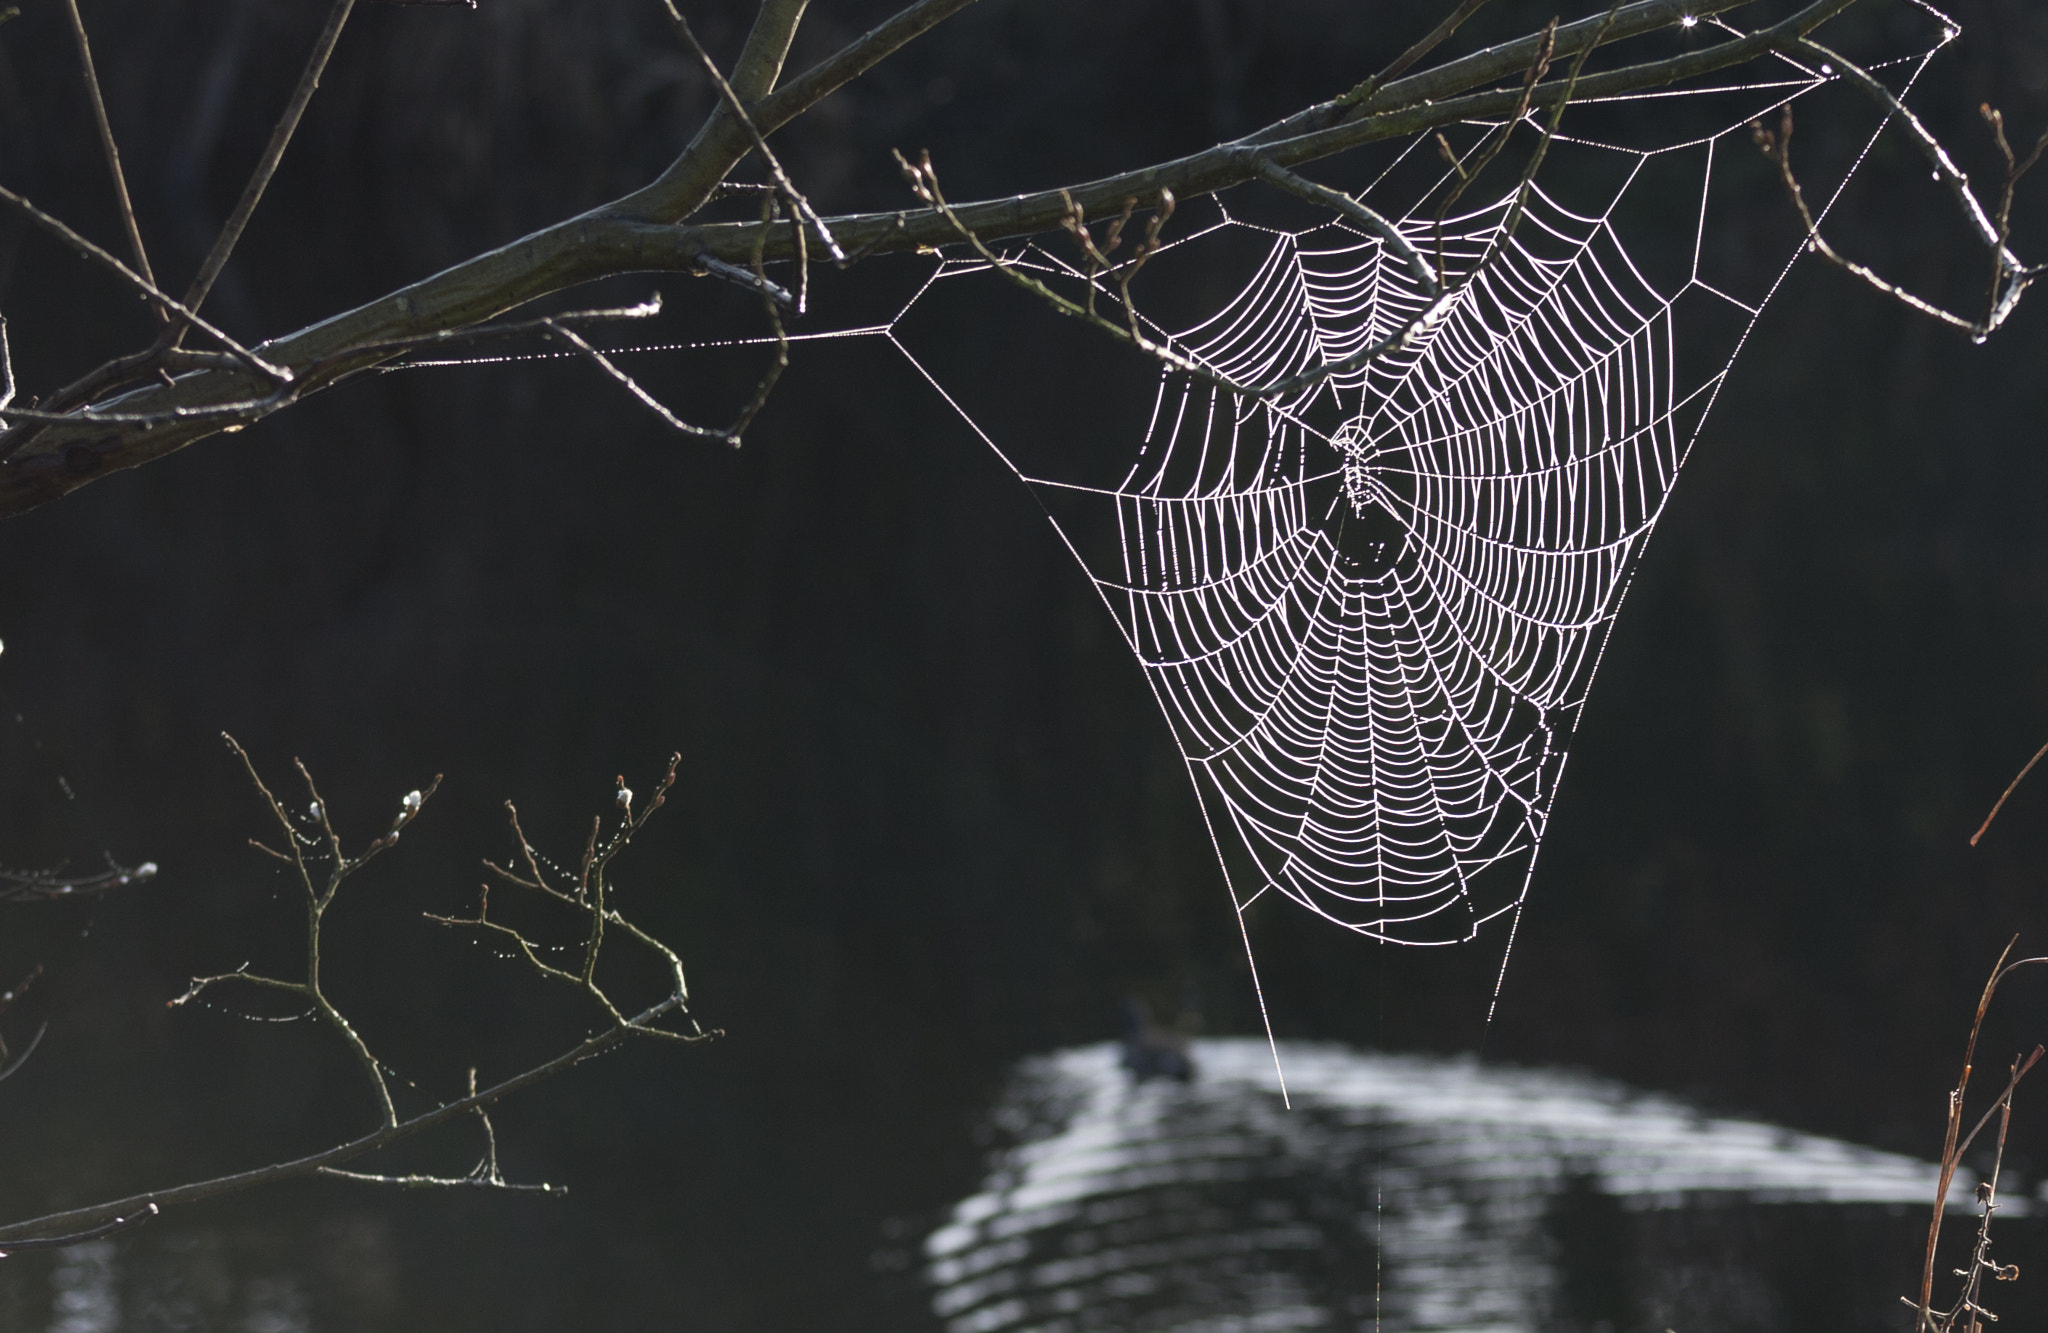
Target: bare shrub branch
<point>44,885</point>
<point>310,845</point>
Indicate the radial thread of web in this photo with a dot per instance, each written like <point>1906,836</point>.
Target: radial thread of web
<point>1373,640</point>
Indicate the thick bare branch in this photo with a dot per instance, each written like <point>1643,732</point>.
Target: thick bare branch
<point>620,239</point>
<point>761,59</point>
<point>725,137</point>
<point>851,61</point>
<point>737,108</point>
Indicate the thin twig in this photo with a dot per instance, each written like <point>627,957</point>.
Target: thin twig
<point>18,1061</point>
<point>317,374</point>
<point>733,273</point>
<point>924,179</point>
<point>1431,40</point>
<point>1953,1143</point>
<point>484,1175</point>
<point>136,1218</point>
<point>586,893</point>
<point>1535,163</point>
<point>273,153</point>
<point>2010,278</point>
<point>113,153</point>
<point>2000,804</point>
<point>797,203</point>
<point>2015,168</point>
<point>315,832</point>
<point>649,401</point>
<point>45,885</point>
<point>1923,139</point>
<point>414,1182</point>
<point>99,255</point>
<point>1495,140</point>
<point>780,362</point>
<point>1777,146</point>
<point>1359,212</point>
<point>308,1165</point>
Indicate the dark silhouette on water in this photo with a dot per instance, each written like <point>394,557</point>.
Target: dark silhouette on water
<point>1151,1051</point>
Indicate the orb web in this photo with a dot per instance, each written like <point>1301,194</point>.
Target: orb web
<point>1371,609</point>
<point>1371,640</point>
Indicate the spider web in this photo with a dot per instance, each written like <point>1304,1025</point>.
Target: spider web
<point>1371,609</point>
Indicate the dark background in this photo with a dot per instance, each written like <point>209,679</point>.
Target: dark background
<point>929,818</point>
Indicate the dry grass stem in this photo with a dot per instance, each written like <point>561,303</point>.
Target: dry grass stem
<point>1967,1311</point>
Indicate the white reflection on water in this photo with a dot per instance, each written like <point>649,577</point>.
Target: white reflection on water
<point>98,1287</point>
<point>85,1297</point>
<point>1403,1192</point>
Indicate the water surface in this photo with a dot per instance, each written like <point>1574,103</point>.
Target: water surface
<point>1400,1192</point>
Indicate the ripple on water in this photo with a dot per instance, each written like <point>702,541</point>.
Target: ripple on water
<point>1402,1192</point>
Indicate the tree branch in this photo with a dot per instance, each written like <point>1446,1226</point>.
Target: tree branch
<point>140,1215</point>
<point>92,1215</point>
<point>33,885</point>
<point>727,135</point>
<point>315,832</point>
<point>107,146</point>
<point>1503,61</point>
<point>99,256</point>
<point>273,153</point>
<point>760,63</point>
<point>620,238</point>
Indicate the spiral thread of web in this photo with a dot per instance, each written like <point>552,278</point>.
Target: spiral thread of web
<point>1370,609</point>
<point>1379,717</point>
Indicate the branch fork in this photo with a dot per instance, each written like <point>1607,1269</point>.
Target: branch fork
<point>310,846</point>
